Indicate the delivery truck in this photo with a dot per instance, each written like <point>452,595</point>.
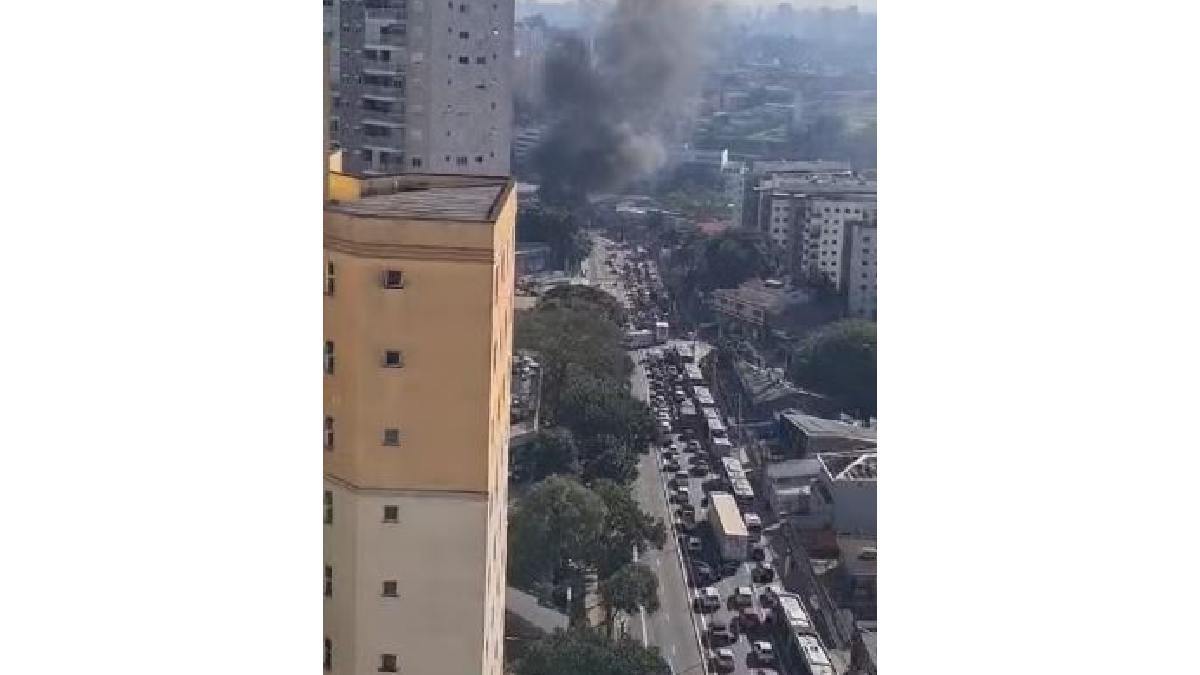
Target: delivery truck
<point>733,539</point>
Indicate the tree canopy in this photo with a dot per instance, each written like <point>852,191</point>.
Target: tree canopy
<point>557,524</point>
<point>626,527</point>
<point>630,588</point>
<point>839,360</point>
<point>588,652</point>
<point>556,228</point>
<point>586,298</point>
<point>551,451</point>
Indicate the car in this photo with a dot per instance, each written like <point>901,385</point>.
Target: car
<point>680,396</point>
<point>753,522</point>
<point>688,511</point>
<point>699,469</point>
<point>693,446</point>
<point>742,596</point>
<point>707,600</point>
<point>763,572</point>
<point>682,495</point>
<point>719,633</point>
<point>750,618</point>
<point>702,572</point>
<point>770,595</point>
<point>668,454</point>
<point>672,465</point>
<point>763,652</point>
<point>758,552</point>
<point>723,659</point>
<point>680,478</point>
<point>694,545</point>
<point>729,568</point>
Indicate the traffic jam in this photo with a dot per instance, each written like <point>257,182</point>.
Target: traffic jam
<point>742,612</point>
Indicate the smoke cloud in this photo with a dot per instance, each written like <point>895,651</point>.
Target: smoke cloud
<point>619,98</point>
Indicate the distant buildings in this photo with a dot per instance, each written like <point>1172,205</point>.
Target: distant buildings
<point>422,87</point>
<point>823,218</point>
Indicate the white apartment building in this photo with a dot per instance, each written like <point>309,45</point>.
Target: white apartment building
<point>826,248</point>
<point>423,86</point>
<point>861,286</point>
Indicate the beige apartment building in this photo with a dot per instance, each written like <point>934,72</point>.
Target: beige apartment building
<point>418,273</point>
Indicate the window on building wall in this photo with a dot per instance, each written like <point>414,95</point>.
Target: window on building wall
<point>393,279</point>
<point>329,278</point>
<point>461,160</point>
<point>328,658</point>
<point>464,60</point>
<point>328,357</point>
<point>389,589</point>
<point>391,513</point>
<point>464,35</point>
<point>393,358</point>
<point>480,60</point>
<point>328,507</point>
<point>328,581</point>
<point>416,162</point>
<point>391,437</point>
<point>328,432</point>
<point>387,663</point>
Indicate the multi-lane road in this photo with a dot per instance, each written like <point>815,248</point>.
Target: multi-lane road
<point>676,629</point>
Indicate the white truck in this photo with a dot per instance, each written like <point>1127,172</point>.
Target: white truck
<point>733,539</point>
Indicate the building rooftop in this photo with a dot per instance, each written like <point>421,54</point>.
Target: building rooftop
<point>858,555</point>
<point>767,384</point>
<point>426,197</point>
<point>793,166</point>
<point>793,468</point>
<point>851,466</point>
<point>819,426</point>
<point>757,294</point>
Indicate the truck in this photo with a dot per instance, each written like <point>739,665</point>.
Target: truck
<point>637,339</point>
<point>733,539</point>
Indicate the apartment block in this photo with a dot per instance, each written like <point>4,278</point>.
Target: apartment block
<point>423,86</point>
<point>418,288</point>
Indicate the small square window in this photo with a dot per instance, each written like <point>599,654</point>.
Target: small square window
<point>387,663</point>
<point>464,35</point>
<point>393,279</point>
<point>391,437</point>
<point>464,60</point>
<point>480,60</point>
<point>393,358</point>
<point>391,514</point>
<point>416,162</point>
<point>389,589</point>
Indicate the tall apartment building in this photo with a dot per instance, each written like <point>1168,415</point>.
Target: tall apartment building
<point>861,272</point>
<point>418,341</point>
<point>825,225</point>
<point>423,86</point>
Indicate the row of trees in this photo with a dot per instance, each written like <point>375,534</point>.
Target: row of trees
<point>577,514</point>
<point>586,652</point>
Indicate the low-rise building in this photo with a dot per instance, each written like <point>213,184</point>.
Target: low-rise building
<point>855,578</point>
<point>803,435</point>
<point>848,488</point>
<point>763,392</point>
<point>755,308</point>
<point>789,486</point>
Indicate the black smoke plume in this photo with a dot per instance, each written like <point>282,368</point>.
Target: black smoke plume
<point>618,101</point>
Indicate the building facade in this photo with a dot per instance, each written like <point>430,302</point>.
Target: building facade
<point>423,86</point>
<point>418,274</point>
<point>862,269</point>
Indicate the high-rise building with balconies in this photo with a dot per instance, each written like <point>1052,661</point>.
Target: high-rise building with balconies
<point>423,86</point>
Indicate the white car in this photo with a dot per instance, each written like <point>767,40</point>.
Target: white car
<point>725,659</point>
<point>743,596</point>
<point>764,653</point>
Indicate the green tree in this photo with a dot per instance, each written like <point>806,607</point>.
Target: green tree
<point>626,527</point>
<point>555,227</point>
<point>839,360</point>
<point>588,652</point>
<point>549,452</point>
<point>593,406</point>
<point>569,341</point>
<point>555,529</point>
<point>587,299</point>
<point>630,588</point>
<point>607,457</point>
